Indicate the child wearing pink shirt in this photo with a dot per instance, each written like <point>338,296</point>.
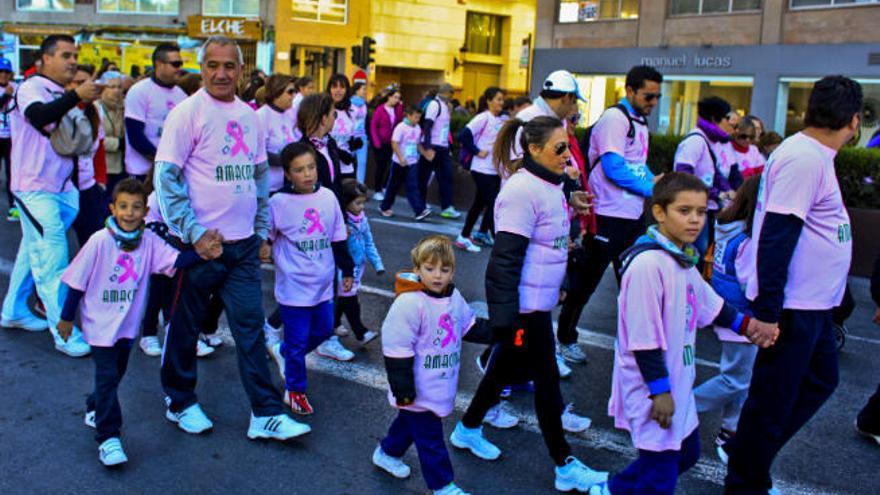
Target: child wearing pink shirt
<point>307,244</point>
<point>110,276</point>
<point>421,341</point>
<point>663,301</point>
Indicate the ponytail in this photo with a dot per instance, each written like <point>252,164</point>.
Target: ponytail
<point>534,132</point>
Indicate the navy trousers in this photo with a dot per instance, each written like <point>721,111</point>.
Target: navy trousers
<point>425,429</point>
<point>656,473</point>
<point>110,366</point>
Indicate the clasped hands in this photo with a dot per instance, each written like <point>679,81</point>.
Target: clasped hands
<point>761,333</point>
<point>210,245</point>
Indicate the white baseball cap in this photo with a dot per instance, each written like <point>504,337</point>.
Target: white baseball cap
<point>564,82</point>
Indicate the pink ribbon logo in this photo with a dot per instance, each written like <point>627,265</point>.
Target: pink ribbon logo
<point>446,324</point>
<point>313,216</point>
<point>644,142</point>
<point>234,130</point>
<point>287,133</point>
<point>127,263</point>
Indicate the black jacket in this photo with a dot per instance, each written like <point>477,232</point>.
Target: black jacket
<point>334,184</point>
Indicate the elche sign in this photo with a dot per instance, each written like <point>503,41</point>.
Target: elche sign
<point>684,61</point>
<point>233,27</point>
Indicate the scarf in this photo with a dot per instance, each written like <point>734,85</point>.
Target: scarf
<point>741,149</point>
<point>712,131</point>
<point>358,101</point>
<point>319,143</point>
<point>687,257</point>
<point>354,218</point>
<point>127,241</point>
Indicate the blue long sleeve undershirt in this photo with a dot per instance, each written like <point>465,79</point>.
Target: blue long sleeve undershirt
<point>614,167</point>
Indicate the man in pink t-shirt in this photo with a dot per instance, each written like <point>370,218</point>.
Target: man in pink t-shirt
<point>803,240</point>
<point>212,186</point>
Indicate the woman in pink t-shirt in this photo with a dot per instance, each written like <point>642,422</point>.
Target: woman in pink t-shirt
<point>279,126</point>
<point>339,90</point>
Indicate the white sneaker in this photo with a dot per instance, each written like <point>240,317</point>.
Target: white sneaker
<point>722,455</point>
<point>279,427</point>
<point>451,489</point>
<point>466,244</point>
<point>29,322</point>
<point>499,417</point>
<point>150,346</point>
<point>333,349</point>
<point>275,352</point>
<point>271,334</point>
<point>369,336</point>
<point>574,423</point>
<point>378,196</point>
<point>572,353</point>
<point>392,465</point>
<point>341,331</point>
<point>110,452</point>
<point>203,349</point>
<point>600,489</point>
<point>472,439</point>
<point>89,419</point>
<point>575,475</point>
<point>191,420</point>
<point>564,370</point>
<point>213,339</point>
<point>75,345</point>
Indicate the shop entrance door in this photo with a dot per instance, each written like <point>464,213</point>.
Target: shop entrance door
<point>478,77</point>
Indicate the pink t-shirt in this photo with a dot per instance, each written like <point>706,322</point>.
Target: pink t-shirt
<point>302,228</point>
<point>799,180</point>
<point>610,136</point>
<point>694,152</point>
<point>149,103</point>
<point>750,160</point>
<point>343,130</point>
<point>279,130</point>
<point>438,111</point>
<point>217,144</point>
<point>429,329</point>
<point>485,128</point>
<point>534,208</point>
<point>661,305</point>
<point>35,165</point>
<point>408,138</point>
<point>116,284</point>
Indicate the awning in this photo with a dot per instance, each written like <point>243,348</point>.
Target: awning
<point>46,29</point>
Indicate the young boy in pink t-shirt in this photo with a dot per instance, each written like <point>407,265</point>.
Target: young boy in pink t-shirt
<point>307,244</point>
<point>110,276</point>
<point>421,340</point>
<point>663,301</point>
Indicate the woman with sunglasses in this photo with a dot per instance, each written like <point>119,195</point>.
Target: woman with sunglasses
<point>523,279</point>
<point>277,120</point>
<point>748,156</point>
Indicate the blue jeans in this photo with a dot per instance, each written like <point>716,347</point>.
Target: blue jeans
<point>656,473</point>
<point>403,175</point>
<point>728,390</point>
<point>110,365</point>
<point>425,429</point>
<point>304,330</point>
<point>42,255</point>
<point>361,155</point>
<point>442,166</point>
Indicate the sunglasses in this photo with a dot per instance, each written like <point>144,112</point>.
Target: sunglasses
<point>746,136</point>
<point>291,91</point>
<point>652,96</point>
<point>560,149</point>
<point>175,63</point>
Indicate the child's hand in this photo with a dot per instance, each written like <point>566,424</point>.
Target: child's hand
<point>347,282</point>
<point>65,328</point>
<point>266,252</point>
<point>483,153</point>
<point>662,409</point>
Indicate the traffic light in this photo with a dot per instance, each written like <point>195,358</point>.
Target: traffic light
<point>367,51</point>
<point>357,55</point>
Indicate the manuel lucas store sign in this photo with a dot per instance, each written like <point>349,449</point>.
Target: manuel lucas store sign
<point>770,81</point>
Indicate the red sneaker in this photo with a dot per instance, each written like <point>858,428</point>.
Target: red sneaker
<point>299,403</point>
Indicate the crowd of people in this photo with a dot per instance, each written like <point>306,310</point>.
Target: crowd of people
<point>179,186</point>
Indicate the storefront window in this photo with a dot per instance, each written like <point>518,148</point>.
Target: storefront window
<point>243,8</point>
<point>687,7</point>
<point>677,110</point>
<point>483,33</point>
<point>806,4</point>
<point>794,94</point>
<point>591,10</point>
<point>168,7</point>
<point>601,92</point>
<point>55,5</point>
<point>330,11</point>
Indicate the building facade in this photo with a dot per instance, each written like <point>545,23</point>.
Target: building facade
<point>471,44</point>
<point>760,55</point>
<point>125,31</point>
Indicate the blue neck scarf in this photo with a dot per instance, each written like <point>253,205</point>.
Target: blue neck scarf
<point>687,257</point>
<point>127,241</point>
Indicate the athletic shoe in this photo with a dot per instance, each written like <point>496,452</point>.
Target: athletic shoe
<point>341,331</point>
<point>564,370</point>
<point>572,353</point>
<point>191,420</point>
<point>275,352</point>
<point>203,349</point>
<point>392,465</point>
<point>12,214</point>
<point>30,323</point>
<point>721,439</point>
<point>574,423</point>
<point>499,417</point>
<point>423,215</point>
<point>278,427</point>
<point>150,346</point>
<point>75,345</point>
<point>600,489</point>
<point>369,336</point>
<point>450,212</point>
<point>378,196</point>
<point>271,334</point>
<point>472,439</point>
<point>466,244</point>
<point>89,419</point>
<point>110,452</point>
<point>213,339</point>
<point>451,489</point>
<point>298,403</point>
<point>386,213</point>
<point>333,349</point>
<point>865,432</point>
<point>483,239</point>
<point>506,392</point>
<point>575,475</point>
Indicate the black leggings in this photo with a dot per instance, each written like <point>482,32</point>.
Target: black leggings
<point>536,355</point>
<point>351,308</point>
<point>484,202</point>
<point>5,150</point>
<point>382,160</point>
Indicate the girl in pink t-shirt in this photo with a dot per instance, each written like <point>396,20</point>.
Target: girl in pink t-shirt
<point>663,301</point>
<point>421,341</point>
<point>110,277</point>
<point>307,244</point>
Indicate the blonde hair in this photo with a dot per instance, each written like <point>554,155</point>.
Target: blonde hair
<point>433,248</point>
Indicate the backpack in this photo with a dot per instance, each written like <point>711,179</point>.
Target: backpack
<point>725,281</point>
<point>73,134</point>
<point>734,178</point>
<point>465,157</point>
<point>630,133</point>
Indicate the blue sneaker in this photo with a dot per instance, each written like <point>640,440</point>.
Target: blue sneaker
<point>75,346</point>
<point>575,475</point>
<point>29,322</point>
<point>451,489</point>
<point>483,239</point>
<point>191,420</point>
<point>472,439</point>
<point>280,427</point>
